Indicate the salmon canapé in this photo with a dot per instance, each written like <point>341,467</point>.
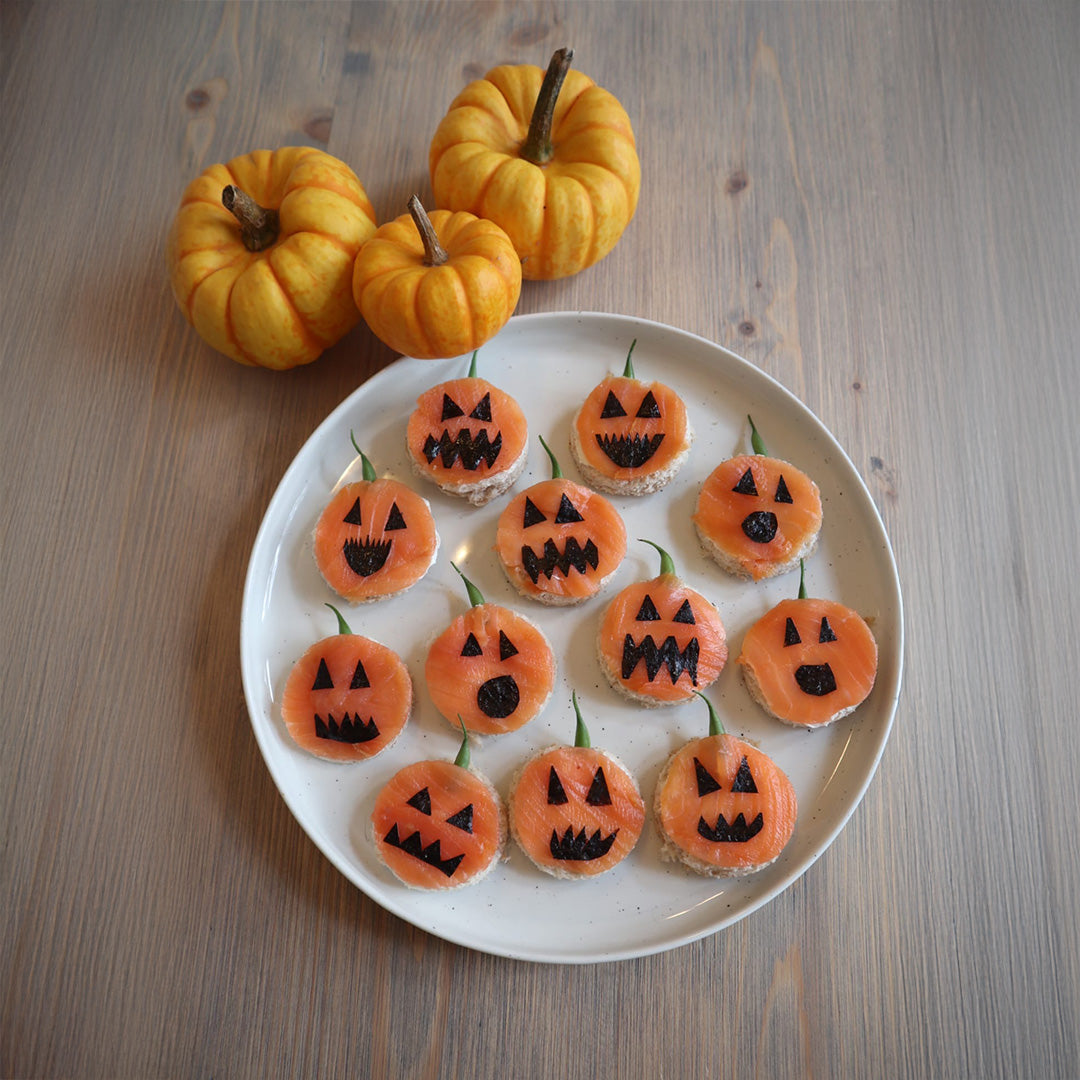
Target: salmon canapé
<point>809,661</point>
<point>757,516</point>
<point>347,698</point>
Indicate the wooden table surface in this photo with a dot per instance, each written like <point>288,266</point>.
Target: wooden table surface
<point>876,203</point>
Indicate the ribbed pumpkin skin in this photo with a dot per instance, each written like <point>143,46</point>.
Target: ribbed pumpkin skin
<point>561,216</point>
<point>282,306</point>
<point>437,311</point>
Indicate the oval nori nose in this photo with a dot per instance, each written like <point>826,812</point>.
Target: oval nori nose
<point>498,697</point>
<point>760,526</point>
<point>815,679</point>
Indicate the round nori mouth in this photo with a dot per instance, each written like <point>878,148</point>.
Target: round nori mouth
<point>498,697</point>
<point>760,526</point>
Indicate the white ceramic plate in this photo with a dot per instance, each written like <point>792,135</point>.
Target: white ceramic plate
<point>549,362</point>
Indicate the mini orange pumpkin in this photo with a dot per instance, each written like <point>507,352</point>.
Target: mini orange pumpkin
<point>722,806</point>
<point>439,286</point>
<point>261,252</point>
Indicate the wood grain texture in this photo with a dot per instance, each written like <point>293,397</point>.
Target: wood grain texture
<point>876,203</point>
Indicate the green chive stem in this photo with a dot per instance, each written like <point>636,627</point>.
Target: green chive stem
<point>581,733</point>
<point>462,759</point>
<point>802,580</point>
<point>366,466</point>
<point>476,597</point>
<point>628,371</point>
<point>556,472</point>
<point>472,365</point>
<point>343,626</point>
<point>756,440</point>
<point>715,727</point>
<point>667,565</point>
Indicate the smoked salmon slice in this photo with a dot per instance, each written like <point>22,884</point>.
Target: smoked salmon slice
<point>574,810</point>
<point>809,661</point>
<point>468,437</point>
<point>491,667</point>
<point>558,541</point>
<point>756,515</point>
<point>439,824</point>
<point>630,437</point>
<point>347,698</point>
<point>375,538</point>
<point>660,640</point>
<point>722,806</point>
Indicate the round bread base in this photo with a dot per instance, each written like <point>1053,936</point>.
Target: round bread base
<point>752,684</point>
<point>481,491</point>
<point>735,566</point>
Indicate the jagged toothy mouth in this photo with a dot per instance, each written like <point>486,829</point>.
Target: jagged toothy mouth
<point>738,832</point>
<point>471,451</point>
<point>432,854</point>
<point>629,452</point>
<point>657,656</point>
<point>573,556</point>
<point>351,729</point>
<point>571,847</point>
<point>366,557</point>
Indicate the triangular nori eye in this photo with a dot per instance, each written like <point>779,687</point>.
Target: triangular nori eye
<point>826,633</point>
<point>598,791</point>
<point>353,516</point>
<point>394,519</point>
<point>567,513</point>
<point>744,780</point>
<point>421,801</point>
<point>462,819</point>
<point>746,485</point>
<point>450,408</point>
<point>647,612</point>
<point>706,782</point>
<point>533,514</point>
<point>649,410</point>
<point>791,634</point>
<point>611,408</point>
<point>506,646</point>
<point>359,677</point>
<point>556,794</point>
<point>482,410</point>
<point>782,493</point>
<point>471,646</point>
<point>322,678</point>
<point>685,614</point>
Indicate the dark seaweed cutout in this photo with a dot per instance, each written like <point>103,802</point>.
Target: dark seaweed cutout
<point>573,555</point>
<point>598,790</point>
<point>743,784</point>
<point>464,448</point>
<point>746,485</point>
<point>322,678</point>
<point>657,656</point>
<point>359,677</point>
<point>580,848</point>
<point>450,408</point>
<point>421,801</point>
<point>394,519</point>
<point>556,795</point>
<point>647,612</point>
<point>365,557</point>
<point>462,819</point>
<point>782,493</point>
<point>791,633</point>
<point>353,516</point>
<point>817,680</point>
<point>706,782</point>
<point>685,614</point>
<point>351,730</point>
<point>482,410</point>
<point>498,697</point>
<point>826,633</point>
<point>506,646</point>
<point>471,646</point>
<point>648,409</point>
<point>612,407</point>
<point>629,451</point>
<point>567,515</point>
<point>432,854</point>
<point>738,832</point>
<point>533,514</point>
<point>760,526</point>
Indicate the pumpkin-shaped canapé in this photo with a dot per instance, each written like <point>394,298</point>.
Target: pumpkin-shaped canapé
<point>549,157</point>
<point>468,437</point>
<point>630,436</point>
<point>347,698</point>
<point>375,538</point>
<point>261,254</point>
<point>722,806</point>
<point>574,810</point>
<point>660,640</point>
<point>491,668</point>
<point>559,541</point>
<point>439,286</point>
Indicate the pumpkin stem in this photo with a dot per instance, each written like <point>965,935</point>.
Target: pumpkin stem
<point>715,727</point>
<point>756,440</point>
<point>365,465</point>
<point>472,365</point>
<point>802,580</point>
<point>462,759</point>
<point>434,255</point>
<point>667,564</point>
<point>628,371</point>
<point>476,597</point>
<point>556,472</point>
<point>581,734</point>
<point>343,626</point>
<point>259,227</point>
<point>537,146</point>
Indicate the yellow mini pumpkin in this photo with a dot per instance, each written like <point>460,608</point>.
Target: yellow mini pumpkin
<point>549,157</point>
<point>438,286</point>
<point>261,252</point>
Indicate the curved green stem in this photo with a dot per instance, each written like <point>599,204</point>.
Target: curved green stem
<point>462,758</point>
<point>476,597</point>
<point>343,626</point>
<point>537,146</point>
<point>756,440</point>
<point>802,580</point>
<point>667,565</point>
<point>472,365</point>
<point>628,371</point>
<point>366,466</point>
<point>715,727</point>
<point>556,472</point>
<point>581,733</point>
